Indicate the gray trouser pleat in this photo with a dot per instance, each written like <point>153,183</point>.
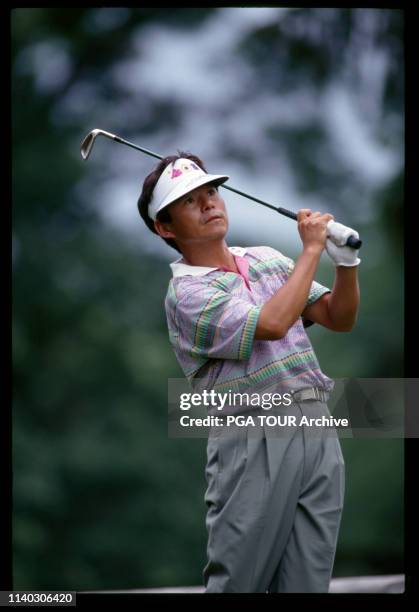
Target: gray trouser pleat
<point>274,505</point>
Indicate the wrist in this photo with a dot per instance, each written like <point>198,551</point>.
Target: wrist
<point>313,249</point>
<point>346,266</point>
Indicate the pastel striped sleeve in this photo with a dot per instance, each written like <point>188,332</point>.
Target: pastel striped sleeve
<point>316,292</point>
<point>214,324</point>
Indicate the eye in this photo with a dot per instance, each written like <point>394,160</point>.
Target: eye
<point>212,190</point>
<point>189,200</point>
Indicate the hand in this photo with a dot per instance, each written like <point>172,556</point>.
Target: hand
<point>343,255</point>
<point>339,233</point>
<point>312,227</point>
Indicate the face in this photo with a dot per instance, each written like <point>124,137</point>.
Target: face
<point>198,216</point>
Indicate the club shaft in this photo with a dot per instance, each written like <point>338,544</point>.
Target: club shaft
<point>134,146</point>
<point>282,211</point>
<point>352,242</point>
<point>279,209</point>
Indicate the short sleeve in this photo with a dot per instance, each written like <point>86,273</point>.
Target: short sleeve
<point>316,292</point>
<point>213,324</point>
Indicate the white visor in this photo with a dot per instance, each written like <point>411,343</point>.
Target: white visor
<point>177,179</point>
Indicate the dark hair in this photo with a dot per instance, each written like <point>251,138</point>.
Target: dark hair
<point>148,186</point>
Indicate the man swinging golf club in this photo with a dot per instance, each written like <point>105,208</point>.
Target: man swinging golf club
<point>236,318</point>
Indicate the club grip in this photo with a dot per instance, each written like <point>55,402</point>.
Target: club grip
<point>354,243</point>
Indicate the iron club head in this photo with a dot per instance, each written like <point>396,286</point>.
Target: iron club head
<point>89,141</point>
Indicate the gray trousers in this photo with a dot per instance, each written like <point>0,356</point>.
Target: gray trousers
<point>274,504</point>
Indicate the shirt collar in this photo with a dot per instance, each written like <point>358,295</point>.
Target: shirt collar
<point>182,269</point>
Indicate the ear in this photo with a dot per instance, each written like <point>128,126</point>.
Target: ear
<point>163,229</point>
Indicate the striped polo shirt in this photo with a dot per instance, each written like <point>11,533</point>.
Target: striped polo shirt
<point>212,315</point>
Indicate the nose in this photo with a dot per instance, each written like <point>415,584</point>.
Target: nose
<point>206,200</point>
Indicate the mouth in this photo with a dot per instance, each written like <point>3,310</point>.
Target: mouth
<point>214,218</point>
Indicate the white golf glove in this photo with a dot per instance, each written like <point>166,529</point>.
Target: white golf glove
<point>340,254</point>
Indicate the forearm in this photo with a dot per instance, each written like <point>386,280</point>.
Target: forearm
<point>283,309</point>
<point>343,302</point>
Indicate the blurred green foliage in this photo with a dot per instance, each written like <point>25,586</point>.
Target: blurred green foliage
<point>103,499</point>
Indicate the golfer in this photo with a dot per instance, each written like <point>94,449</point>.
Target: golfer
<point>236,320</point>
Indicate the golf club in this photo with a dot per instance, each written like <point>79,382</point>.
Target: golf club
<point>89,141</point>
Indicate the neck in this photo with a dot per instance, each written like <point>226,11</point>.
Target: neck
<point>214,255</point>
